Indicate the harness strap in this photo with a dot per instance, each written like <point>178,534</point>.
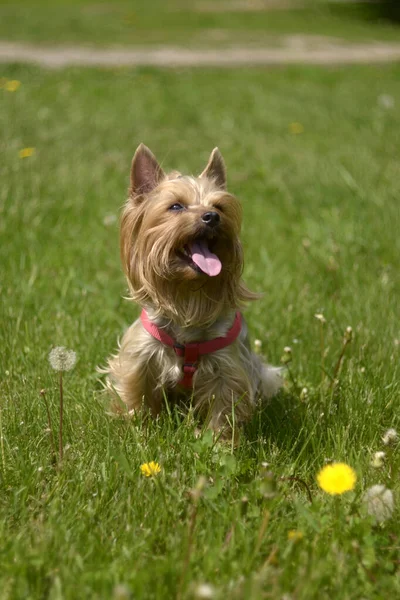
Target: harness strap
<point>192,351</point>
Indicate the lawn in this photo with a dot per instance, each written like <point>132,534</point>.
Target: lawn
<point>313,155</point>
<point>201,23</point>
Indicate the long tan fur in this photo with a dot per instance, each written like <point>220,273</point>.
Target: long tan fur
<point>189,304</point>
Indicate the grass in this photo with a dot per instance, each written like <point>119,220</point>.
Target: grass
<point>321,224</point>
<point>178,23</point>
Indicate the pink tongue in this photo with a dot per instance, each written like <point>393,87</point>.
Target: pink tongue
<point>204,259</point>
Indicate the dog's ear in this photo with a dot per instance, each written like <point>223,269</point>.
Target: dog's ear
<point>146,173</point>
<point>216,169</point>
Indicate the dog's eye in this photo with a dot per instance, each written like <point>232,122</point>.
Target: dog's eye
<point>176,206</point>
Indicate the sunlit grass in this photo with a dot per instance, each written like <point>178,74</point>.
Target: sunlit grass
<point>320,233</point>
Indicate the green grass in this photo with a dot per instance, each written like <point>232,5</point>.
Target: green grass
<point>178,23</point>
<point>320,233</point>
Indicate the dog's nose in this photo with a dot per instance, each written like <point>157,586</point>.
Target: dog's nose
<point>210,218</point>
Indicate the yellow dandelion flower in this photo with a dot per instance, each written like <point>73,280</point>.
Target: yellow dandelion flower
<point>295,128</point>
<point>12,85</point>
<point>26,152</point>
<point>150,469</point>
<point>336,478</point>
<point>295,535</point>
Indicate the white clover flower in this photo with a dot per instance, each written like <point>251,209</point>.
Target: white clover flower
<point>304,394</point>
<point>379,502</point>
<point>390,437</point>
<point>287,355</point>
<point>320,317</point>
<point>257,346</point>
<point>62,359</point>
<point>348,334</point>
<point>378,459</point>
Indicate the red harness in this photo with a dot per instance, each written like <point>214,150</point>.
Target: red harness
<point>191,352</point>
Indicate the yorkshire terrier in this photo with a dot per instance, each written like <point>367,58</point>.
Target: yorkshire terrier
<point>183,260</point>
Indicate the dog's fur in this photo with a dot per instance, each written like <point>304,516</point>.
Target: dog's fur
<point>190,304</point>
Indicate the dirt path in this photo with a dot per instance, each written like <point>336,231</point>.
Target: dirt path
<point>294,50</point>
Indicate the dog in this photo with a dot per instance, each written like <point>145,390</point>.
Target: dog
<point>183,260</point>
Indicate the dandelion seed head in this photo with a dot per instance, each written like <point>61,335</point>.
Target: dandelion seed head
<point>150,469</point>
<point>62,359</point>
<point>378,459</point>
<point>336,478</point>
<point>379,502</point>
<point>390,437</point>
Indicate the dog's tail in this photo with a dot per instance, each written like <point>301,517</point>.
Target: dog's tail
<point>271,380</point>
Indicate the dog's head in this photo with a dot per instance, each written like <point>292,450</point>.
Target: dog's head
<point>180,242</point>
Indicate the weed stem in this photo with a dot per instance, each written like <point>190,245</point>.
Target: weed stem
<point>60,440</point>
<point>49,424</point>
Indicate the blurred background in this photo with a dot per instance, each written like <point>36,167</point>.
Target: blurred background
<point>200,23</point>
